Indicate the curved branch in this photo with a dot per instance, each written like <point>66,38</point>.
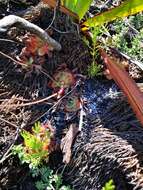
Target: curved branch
<point>12,20</point>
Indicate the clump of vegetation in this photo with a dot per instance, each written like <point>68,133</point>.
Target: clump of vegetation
<point>128,39</point>
<point>48,180</point>
<point>94,69</point>
<point>109,185</point>
<point>36,147</point>
<point>35,150</point>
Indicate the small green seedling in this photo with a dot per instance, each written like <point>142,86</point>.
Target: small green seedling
<point>109,185</point>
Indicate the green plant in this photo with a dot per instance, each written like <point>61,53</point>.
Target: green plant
<point>36,146</point>
<point>128,7</point>
<point>94,69</point>
<point>133,49</point>
<point>109,185</point>
<point>48,180</point>
<point>33,47</point>
<point>79,7</point>
<point>126,38</point>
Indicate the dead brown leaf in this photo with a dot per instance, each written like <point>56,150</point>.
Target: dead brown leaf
<point>126,83</point>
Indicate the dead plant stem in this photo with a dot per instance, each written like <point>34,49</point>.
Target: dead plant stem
<point>30,103</point>
<point>9,123</point>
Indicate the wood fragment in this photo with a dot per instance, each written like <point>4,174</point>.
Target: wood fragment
<point>67,142</point>
<point>8,122</point>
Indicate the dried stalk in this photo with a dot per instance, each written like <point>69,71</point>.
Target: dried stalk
<point>9,123</point>
<point>12,20</point>
<point>29,103</point>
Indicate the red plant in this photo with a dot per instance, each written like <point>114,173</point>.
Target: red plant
<point>63,79</point>
<point>72,104</point>
<point>34,47</point>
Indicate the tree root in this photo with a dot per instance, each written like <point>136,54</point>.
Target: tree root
<point>12,20</point>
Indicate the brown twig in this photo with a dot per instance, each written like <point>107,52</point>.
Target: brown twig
<point>54,16</point>
<point>12,59</point>
<point>46,74</point>
<point>7,40</point>
<point>12,20</point>
<point>9,123</point>
<point>56,104</point>
<point>30,103</point>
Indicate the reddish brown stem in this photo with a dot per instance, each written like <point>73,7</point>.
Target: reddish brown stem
<point>128,85</point>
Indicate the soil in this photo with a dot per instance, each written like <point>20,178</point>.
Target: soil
<point>18,86</point>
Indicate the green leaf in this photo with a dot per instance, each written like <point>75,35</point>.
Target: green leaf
<point>65,188</point>
<point>36,128</point>
<point>109,185</point>
<point>70,4</point>
<point>40,185</point>
<point>82,7</point>
<point>58,180</point>
<point>79,7</point>
<point>127,8</point>
<point>17,149</point>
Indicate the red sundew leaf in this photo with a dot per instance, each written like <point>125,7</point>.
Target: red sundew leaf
<point>43,50</point>
<point>128,85</point>
<point>35,45</point>
<point>31,43</point>
<point>72,104</point>
<point>64,79</point>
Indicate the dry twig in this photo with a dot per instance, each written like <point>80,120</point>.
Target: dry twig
<point>29,103</point>
<point>9,123</point>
